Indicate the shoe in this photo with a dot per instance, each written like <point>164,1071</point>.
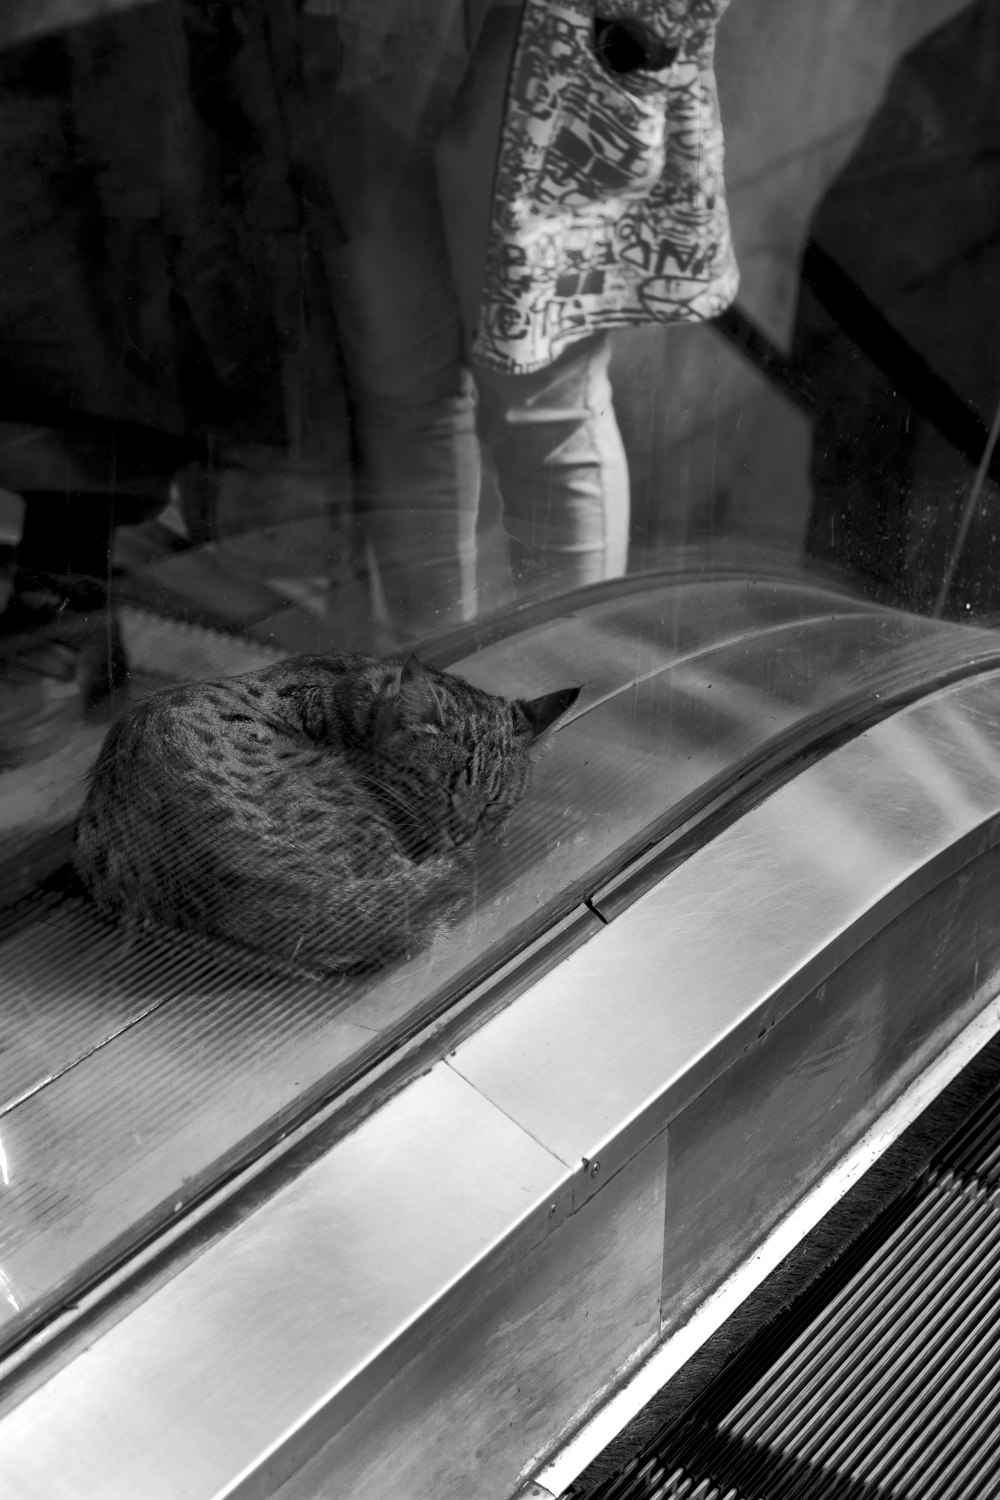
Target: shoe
<point>61,655</point>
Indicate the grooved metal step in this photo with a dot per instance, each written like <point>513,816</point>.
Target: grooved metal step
<point>890,1390</point>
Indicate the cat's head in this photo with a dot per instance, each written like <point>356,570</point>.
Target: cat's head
<point>453,760</point>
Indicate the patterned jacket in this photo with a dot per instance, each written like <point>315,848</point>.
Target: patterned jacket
<point>609,207</point>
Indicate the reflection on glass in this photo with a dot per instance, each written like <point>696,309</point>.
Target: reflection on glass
<point>6,1287</point>
<point>7,1292</point>
<point>346,326</point>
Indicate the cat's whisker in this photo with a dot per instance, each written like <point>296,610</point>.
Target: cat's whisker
<point>393,793</point>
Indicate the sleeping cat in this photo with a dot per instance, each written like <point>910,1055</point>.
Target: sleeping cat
<point>316,811</point>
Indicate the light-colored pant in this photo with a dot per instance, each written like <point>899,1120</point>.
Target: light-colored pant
<point>407,289</point>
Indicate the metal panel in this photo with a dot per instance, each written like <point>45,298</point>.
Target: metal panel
<point>517,1362</point>
<point>430,1230</point>
<point>907,1322</point>
<point>641,1385</point>
<point>798,1100</point>
<point>630,1028</point>
<point>134,1133</point>
<point>315,1290</point>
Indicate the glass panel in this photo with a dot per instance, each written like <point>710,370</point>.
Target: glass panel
<point>395,327</point>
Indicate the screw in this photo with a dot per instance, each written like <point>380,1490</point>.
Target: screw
<point>553,1210</point>
<point>595,1167</point>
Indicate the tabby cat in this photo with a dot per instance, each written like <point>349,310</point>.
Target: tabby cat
<point>317,811</point>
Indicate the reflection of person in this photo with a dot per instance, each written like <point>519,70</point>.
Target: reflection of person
<point>458,323</point>
<point>889,316</point>
<point>135,306</point>
<point>60,647</point>
<point>510,181</point>
<point>67,378</point>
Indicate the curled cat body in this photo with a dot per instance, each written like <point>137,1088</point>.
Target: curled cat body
<point>318,811</point>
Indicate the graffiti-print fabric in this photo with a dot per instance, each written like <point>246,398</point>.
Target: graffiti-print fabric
<point>609,207</point>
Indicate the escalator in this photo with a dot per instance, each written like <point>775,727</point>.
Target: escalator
<point>878,1381</point>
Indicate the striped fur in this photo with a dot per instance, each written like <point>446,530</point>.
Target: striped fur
<point>317,811</point>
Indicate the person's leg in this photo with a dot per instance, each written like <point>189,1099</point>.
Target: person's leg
<point>79,483</point>
<point>60,646</point>
<point>61,649</point>
<point>411,394</point>
<point>88,431</point>
<point>67,540</point>
<point>562,467</point>
<point>553,435</point>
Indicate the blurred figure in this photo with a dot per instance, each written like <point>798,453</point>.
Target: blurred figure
<point>149,248</point>
<point>897,331</point>
<point>75,402</point>
<point>479,191</point>
<point>512,184</point>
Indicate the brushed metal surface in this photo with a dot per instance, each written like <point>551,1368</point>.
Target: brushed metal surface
<point>135,1135</point>
<point>569,1460</point>
<point>796,1103</point>
<point>524,1357</point>
<point>323,1281</point>
<point>685,978</point>
<point>281,1333</point>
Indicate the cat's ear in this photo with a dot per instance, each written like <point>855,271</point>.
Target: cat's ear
<point>541,713</point>
<point>420,705</point>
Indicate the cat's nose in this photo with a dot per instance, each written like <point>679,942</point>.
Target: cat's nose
<point>464,835</point>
